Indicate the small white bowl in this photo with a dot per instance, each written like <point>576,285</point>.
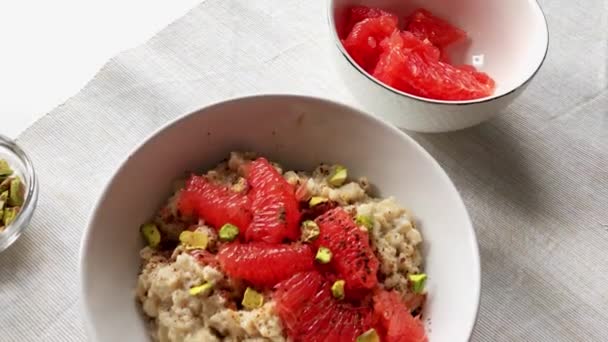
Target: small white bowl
<point>508,41</point>
<point>299,132</point>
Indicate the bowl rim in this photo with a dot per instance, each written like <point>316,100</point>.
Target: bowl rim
<point>92,217</point>
<point>14,230</point>
<point>346,55</point>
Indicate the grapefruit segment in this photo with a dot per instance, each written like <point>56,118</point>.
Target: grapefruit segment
<point>411,44</point>
<point>264,264</point>
<point>394,321</point>
<point>424,25</point>
<point>391,62</point>
<point>393,59</point>
<point>443,81</point>
<point>357,14</point>
<point>412,65</point>
<point>318,317</point>
<point>353,258</point>
<point>363,41</point>
<point>214,203</point>
<point>275,208</point>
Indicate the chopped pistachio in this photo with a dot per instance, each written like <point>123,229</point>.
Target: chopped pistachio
<point>15,195</point>
<point>337,289</point>
<point>366,221</point>
<point>204,289</point>
<point>228,232</point>
<point>417,282</point>
<point>185,236</point>
<point>316,200</point>
<point>151,234</point>
<point>369,336</point>
<point>194,240</point>
<point>9,215</point>
<point>252,299</point>
<point>11,195</point>
<point>323,255</point>
<point>5,184</point>
<point>199,240</point>
<point>310,231</point>
<point>3,200</point>
<point>5,169</point>
<point>338,177</point>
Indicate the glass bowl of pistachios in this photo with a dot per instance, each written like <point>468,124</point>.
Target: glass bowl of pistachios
<point>18,191</point>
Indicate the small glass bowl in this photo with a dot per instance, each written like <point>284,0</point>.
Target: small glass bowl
<point>22,166</point>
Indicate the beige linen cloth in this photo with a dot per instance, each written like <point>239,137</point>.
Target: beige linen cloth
<point>535,179</point>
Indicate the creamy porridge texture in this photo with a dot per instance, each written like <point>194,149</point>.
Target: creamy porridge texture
<point>186,293</point>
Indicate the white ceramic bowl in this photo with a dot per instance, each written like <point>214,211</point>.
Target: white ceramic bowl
<point>508,40</point>
<point>299,132</point>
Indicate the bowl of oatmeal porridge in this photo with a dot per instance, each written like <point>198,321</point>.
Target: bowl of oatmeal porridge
<point>223,223</point>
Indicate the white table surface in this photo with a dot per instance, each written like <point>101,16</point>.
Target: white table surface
<point>51,49</point>
<point>534,178</point>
